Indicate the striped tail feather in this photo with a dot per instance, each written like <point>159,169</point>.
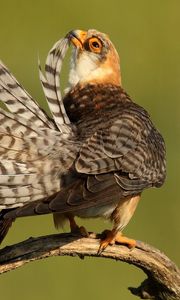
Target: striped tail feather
<point>51,85</point>
<point>27,175</point>
<point>14,124</point>
<point>19,102</point>
<point>31,162</point>
<point>30,165</point>
<point>34,150</point>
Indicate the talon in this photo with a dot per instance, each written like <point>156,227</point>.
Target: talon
<point>83,231</point>
<point>80,231</point>
<point>102,247</point>
<point>76,229</point>
<point>111,237</point>
<point>107,239</point>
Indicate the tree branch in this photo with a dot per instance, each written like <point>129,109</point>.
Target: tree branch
<point>163,276</point>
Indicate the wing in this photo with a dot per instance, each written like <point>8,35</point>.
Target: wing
<point>19,102</point>
<point>120,160</point>
<point>31,162</point>
<point>131,148</point>
<point>34,150</point>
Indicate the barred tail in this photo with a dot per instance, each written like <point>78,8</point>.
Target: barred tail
<point>19,102</point>
<point>51,85</point>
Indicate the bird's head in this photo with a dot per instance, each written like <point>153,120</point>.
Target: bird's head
<point>94,59</point>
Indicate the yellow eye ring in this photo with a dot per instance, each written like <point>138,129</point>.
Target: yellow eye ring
<point>95,45</point>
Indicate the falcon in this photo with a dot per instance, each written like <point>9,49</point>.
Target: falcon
<point>92,158</point>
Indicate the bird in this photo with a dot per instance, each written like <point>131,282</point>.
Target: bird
<point>92,158</point>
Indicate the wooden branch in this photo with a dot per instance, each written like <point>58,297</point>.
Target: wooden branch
<point>163,276</point>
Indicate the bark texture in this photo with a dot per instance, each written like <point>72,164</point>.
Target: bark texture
<point>163,276</point>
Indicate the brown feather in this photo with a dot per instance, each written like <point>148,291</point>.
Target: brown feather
<point>5,225</point>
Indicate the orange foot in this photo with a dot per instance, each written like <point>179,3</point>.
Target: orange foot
<point>112,237</point>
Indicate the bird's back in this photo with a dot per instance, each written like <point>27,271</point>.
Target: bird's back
<point>122,131</point>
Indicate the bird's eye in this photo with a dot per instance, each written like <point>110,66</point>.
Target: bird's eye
<point>95,45</point>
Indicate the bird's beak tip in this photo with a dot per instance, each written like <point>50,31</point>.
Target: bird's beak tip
<point>77,37</point>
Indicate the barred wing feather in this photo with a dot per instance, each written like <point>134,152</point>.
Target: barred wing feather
<point>50,83</point>
<point>19,102</point>
<point>34,151</point>
<point>31,167</point>
<point>131,148</point>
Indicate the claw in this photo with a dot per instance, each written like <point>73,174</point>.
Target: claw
<point>112,237</point>
<point>76,229</point>
<point>82,230</point>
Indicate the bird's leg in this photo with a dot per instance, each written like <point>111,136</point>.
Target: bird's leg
<point>75,228</point>
<point>120,216</point>
<point>113,236</point>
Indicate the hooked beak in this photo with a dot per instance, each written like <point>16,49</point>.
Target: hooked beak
<point>77,38</point>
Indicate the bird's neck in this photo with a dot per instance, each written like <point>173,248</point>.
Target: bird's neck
<point>90,99</point>
<point>85,70</point>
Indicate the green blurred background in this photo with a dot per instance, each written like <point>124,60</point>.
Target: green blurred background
<point>147,36</point>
